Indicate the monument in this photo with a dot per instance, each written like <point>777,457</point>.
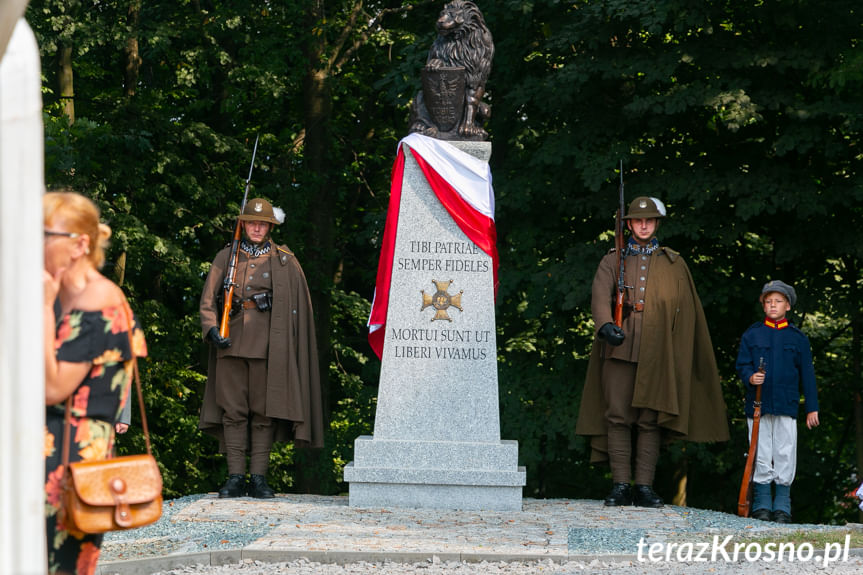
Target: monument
<point>436,441</point>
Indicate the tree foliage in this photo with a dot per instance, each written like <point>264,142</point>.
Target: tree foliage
<point>744,118</point>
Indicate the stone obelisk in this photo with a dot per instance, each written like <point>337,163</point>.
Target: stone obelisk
<point>436,439</point>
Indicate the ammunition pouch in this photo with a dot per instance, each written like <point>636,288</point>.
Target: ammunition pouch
<point>263,301</point>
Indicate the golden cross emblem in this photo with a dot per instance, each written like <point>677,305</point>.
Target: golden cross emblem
<point>441,300</point>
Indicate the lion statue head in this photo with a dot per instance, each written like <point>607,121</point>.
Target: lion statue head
<point>463,42</point>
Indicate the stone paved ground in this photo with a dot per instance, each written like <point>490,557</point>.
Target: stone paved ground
<point>214,531</point>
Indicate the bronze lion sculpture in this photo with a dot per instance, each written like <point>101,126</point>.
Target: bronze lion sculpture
<point>450,106</point>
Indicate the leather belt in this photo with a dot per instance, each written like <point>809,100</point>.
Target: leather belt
<point>638,307</point>
<point>249,304</point>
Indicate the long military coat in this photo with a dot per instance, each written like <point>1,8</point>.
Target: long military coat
<point>677,374</point>
<point>293,377</point>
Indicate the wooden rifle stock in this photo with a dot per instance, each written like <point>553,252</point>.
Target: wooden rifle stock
<point>619,245</point>
<point>228,285</point>
<point>618,297</point>
<point>744,500</point>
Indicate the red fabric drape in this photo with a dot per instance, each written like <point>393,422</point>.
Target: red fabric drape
<point>478,227</point>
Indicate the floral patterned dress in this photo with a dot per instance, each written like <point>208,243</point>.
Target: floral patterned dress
<point>100,338</point>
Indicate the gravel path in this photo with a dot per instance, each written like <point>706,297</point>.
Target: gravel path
<point>852,566</point>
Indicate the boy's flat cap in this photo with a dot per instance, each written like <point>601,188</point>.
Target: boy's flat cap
<point>779,286</point>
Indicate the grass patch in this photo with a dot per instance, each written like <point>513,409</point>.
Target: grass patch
<point>819,538</point>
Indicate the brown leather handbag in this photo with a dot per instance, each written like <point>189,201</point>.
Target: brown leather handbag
<point>111,494</point>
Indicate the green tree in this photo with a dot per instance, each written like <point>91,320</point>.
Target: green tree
<point>168,98</point>
<point>742,117</point>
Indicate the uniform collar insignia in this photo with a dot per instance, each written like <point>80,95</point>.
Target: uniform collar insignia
<point>781,324</point>
<point>634,248</point>
<point>255,250</point>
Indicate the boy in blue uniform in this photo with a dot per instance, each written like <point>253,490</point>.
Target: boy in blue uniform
<point>775,354</point>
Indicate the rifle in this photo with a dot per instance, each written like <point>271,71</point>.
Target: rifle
<point>619,245</point>
<point>744,500</point>
<point>228,284</point>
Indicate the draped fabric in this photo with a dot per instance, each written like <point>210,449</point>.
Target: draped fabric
<point>462,184</point>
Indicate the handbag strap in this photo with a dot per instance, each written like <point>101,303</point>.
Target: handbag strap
<point>67,418</point>
<point>137,376</point>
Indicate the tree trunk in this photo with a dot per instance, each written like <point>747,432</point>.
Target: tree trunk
<point>65,79</point>
<point>133,56</point>
<point>680,478</point>
<point>320,263</point>
<point>120,269</point>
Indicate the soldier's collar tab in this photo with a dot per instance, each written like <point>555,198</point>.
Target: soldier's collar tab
<point>781,324</point>
<point>672,255</point>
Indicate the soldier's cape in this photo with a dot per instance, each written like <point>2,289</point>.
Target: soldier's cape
<point>677,374</point>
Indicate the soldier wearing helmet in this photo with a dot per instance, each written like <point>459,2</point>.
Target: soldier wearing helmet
<point>263,382</point>
<point>655,374</point>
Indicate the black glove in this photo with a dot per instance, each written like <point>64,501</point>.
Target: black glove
<point>612,334</point>
<point>217,340</point>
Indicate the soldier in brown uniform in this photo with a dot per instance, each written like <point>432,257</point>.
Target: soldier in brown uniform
<point>263,380</point>
<point>658,373</point>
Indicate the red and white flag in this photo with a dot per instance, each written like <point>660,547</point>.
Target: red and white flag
<point>462,184</point>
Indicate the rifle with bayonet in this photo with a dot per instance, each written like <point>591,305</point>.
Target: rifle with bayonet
<point>619,245</point>
<point>229,284</point>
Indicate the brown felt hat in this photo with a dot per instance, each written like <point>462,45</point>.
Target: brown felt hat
<point>644,207</point>
<point>260,210</point>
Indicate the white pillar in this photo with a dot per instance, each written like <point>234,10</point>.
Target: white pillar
<point>22,374</point>
<point>10,12</point>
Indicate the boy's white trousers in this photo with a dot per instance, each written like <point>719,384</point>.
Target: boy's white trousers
<point>777,449</point>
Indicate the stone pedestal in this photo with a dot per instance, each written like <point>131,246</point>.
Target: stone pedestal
<point>436,439</point>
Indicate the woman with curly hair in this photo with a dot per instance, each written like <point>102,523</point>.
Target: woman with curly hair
<point>88,361</point>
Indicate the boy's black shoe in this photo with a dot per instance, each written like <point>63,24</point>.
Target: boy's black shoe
<point>646,497</point>
<point>621,494</point>
<point>235,486</point>
<point>780,516</point>
<point>259,489</point>
<point>762,515</point>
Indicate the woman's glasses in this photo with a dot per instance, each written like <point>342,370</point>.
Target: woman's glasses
<point>52,233</point>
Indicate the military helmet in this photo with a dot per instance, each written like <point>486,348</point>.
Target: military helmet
<point>644,207</point>
<point>260,210</point>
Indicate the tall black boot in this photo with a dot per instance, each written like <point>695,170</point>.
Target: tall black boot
<point>621,494</point>
<point>645,496</point>
<point>235,486</point>
<point>259,489</point>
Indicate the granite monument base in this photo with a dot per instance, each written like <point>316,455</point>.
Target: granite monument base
<point>435,474</point>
